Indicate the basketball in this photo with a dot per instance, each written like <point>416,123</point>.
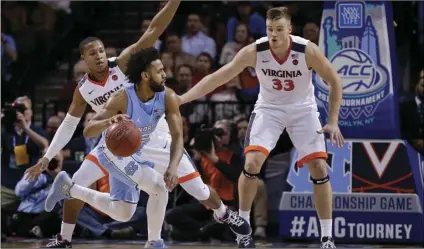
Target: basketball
<point>123,139</point>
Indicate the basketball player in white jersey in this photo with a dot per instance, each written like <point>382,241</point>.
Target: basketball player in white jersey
<point>284,64</point>
<point>96,92</point>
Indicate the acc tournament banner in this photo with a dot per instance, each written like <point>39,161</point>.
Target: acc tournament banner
<point>378,194</point>
<point>357,38</point>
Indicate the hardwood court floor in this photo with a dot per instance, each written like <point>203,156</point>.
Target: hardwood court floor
<point>78,243</point>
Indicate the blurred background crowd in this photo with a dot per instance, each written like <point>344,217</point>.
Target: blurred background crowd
<point>41,65</point>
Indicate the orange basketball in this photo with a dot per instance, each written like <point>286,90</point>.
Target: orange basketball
<point>123,139</point>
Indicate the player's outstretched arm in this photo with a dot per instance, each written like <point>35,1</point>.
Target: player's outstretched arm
<point>175,123</point>
<point>111,113</point>
<point>158,25</point>
<point>317,61</point>
<point>63,134</point>
<point>246,57</point>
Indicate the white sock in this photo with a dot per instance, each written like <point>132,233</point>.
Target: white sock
<point>245,215</point>
<point>221,211</point>
<point>66,231</point>
<point>326,227</point>
<point>155,210</point>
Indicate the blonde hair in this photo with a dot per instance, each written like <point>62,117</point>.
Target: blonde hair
<point>278,13</point>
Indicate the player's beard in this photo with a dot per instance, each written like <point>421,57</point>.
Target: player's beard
<point>156,87</point>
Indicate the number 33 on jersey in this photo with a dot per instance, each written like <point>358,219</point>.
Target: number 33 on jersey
<point>286,81</point>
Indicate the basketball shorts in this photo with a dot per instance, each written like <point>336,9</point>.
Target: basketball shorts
<point>301,122</point>
<point>119,191</point>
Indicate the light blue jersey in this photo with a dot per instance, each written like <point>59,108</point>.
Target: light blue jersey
<point>145,116</point>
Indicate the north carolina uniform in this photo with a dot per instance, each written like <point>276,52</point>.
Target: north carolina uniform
<point>96,95</point>
<point>286,101</point>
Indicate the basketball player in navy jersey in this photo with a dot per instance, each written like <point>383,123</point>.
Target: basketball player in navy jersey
<point>283,64</point>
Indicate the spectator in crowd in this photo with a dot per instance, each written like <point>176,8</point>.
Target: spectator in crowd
<point>220,170</point>
<point>67,92</point>
<point>260,203</point>
<point>196,113</point>
<point>311,32</point>
<point>168,64</point>
<point>9,54</point>
<point>184,75</point>
<point>203,67</point>
<point>79,147</point>
<point>52,125</point>
<point>195,41</point>
<point>245,14</point>
<point>101,225</point>
<point>145,25</point>
<point>412,116</point>
<point>231,48</point>
<point>246,85</point>
<point>224,109</point>
<point>31,218</point>
<point>22,145</point>
<point>173,45</point>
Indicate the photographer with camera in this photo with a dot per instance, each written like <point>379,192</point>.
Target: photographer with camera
<point>220,168</point>
<point>22,144</point>
<point>31,218</point>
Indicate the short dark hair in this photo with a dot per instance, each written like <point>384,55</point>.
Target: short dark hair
<point>86,41</point>
<point>139,62</point>
<point>205,54</point>
<point>186,66</point>
<point>278,13</point>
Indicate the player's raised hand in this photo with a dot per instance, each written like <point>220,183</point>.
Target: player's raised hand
<point>171,178</point>
<point>35,171</point>
<point>118,118</point>
<point>334,132</point>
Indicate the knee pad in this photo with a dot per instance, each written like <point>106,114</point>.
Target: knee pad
<point>197,189</point>
<point>250,175</point>
<point>320,181</point>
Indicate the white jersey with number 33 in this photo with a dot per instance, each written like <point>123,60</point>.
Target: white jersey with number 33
<point>284,82</point>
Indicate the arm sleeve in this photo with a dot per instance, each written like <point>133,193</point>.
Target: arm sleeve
<point>63,135</point>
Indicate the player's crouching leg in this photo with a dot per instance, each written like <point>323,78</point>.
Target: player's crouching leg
<point>210,198</point>
<point>323,199</point>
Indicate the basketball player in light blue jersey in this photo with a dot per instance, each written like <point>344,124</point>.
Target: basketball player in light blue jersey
<point>144,103</point>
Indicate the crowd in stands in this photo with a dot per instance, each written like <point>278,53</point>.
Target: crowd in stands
<point>189,52</point>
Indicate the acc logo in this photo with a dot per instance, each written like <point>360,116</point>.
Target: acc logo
<point>355,54</point>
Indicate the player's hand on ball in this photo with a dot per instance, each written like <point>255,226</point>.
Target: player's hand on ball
<point>117,118</point>
<point>334,132</point>
<point>35,171</point>
<point>171,178</point>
